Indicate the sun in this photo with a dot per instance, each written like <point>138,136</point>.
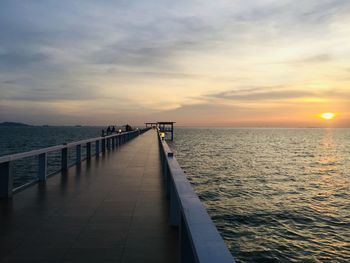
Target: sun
<point>327,115</point>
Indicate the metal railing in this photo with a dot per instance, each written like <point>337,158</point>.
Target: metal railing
<point>101,145</point>
<point>199,238</point>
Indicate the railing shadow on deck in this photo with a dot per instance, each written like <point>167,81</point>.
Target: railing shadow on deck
<point>101,145</point>
<point>200,241</point>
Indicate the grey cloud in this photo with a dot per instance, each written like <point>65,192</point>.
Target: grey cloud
<point>288,20</point>
<point>314,59</point>
<point>198,113</point>
<point>277,93</point>
<point>128,55</point>
<point>320,58</point>
<point>158,43</point>
<point>151,74</point>
<point>340,94</point>
<point>261,93</point>
<point>305,12</point>
<point>9,82</point>
<point>19,60</point>
<point>49,92</point>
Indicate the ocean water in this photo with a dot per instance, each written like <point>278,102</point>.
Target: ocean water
<point>276,195</point>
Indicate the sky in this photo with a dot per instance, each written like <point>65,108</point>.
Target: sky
<point>255,63</point>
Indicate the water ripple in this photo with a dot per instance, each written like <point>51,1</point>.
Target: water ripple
<point>276,195</point>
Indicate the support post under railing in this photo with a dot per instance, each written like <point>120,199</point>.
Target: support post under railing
<point>97,148</point>
<point>113,142</point>
<point>78,154</point>
<point>103,145</point>
<point>6,180</point>
<point>108,143</point>
<point>42,172</point>
<point>64,159</point>
<point>88,151</point>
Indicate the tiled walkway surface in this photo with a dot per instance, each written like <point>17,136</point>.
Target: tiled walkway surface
<point>111,209</point>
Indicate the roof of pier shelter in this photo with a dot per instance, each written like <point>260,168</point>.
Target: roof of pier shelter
<point>166,122</point>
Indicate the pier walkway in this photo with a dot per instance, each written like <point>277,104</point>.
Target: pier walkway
<point>108,209</point>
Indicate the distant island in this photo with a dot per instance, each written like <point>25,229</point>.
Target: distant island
<point>13,124</point>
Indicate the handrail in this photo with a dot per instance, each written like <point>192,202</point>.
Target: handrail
<point>200,241</point>
<point>17,156</point>
<point>107,142</point>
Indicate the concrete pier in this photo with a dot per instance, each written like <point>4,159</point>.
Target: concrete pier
<point>107,209</point>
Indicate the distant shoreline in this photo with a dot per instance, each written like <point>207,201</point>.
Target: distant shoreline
<point>20,124</point>
<point>13,124</point>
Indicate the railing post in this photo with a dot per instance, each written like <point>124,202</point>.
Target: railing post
<point>88,151</point>
<point>64,159</point>
<point>78,154</point>
<point>97,148</point>
<point>103,145</point>
<point>108,143</point>
<point>42,172</point>
<point>6,180</point>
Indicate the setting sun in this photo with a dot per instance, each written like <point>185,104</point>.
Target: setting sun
<point>328,115</point>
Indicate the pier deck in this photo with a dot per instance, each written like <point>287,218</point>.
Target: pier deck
<point>110,209</point>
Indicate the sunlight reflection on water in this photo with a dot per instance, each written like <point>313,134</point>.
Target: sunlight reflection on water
<point>275,194</point>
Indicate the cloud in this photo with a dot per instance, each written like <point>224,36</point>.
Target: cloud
<point>133,56</point>
<point>262,93</point>
<point>154,53</point>
<point>157,44</point>
<point>277,94</point>
<point>41,91</point>
<point>9,82</point>
<point>315,59</point>
<point>15,60</point>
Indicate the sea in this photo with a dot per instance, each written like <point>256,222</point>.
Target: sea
<point>275,194</point>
